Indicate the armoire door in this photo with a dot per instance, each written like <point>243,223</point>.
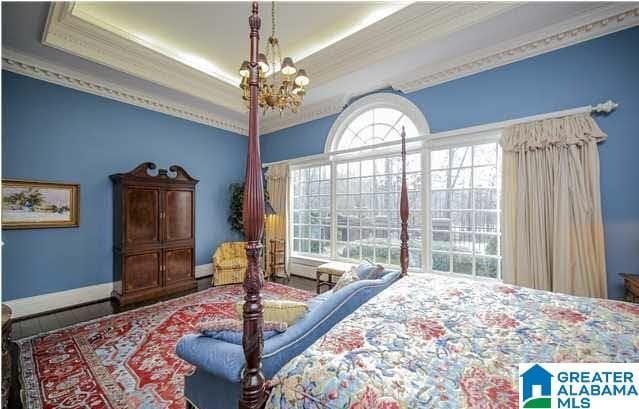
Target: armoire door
<point>142,212</point>
<point>178,265</point>
<point>178,215</point>
<point>142,271</point>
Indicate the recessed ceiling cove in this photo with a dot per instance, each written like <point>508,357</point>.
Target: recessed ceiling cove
<point>347,48</point>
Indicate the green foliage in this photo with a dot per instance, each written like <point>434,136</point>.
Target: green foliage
<point>235,218</point>
<point>237,199</point>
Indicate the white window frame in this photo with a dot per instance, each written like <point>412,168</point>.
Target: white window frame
<point>379,100</point>
<point>447,142</point>
<point>426,144</point>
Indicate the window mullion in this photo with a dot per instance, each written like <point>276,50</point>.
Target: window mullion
<point>473,214</point>
<point>333,210</point>
<point>426,213</point>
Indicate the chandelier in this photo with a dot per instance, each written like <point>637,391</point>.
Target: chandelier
<point>276,92</point>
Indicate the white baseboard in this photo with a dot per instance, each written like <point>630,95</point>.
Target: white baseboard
<point>23,307</point>
<point>304,267</point>
<point>203,270</point>
<point>38,304</point>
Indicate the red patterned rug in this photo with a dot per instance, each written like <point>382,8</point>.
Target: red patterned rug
<point>125,360</point>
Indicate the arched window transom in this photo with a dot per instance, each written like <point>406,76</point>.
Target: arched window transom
<point>375,126</point>
<point>376,119</point>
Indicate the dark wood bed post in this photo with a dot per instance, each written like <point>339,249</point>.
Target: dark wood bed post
<point>403,213</point>
<point>253,395</point>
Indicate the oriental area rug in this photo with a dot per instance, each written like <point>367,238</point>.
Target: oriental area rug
<point>126,360</point>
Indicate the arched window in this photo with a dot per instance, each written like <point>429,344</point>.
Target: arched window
<point>375,119</point>
<point>345,206</point>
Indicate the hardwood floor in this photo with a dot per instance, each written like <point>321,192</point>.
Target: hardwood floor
<point>74,315</point>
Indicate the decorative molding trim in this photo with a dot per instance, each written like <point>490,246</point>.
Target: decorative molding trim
<point>306,113</point>
<point>409,27</point>
<point>601,22</point>
<point>35,68</point>
<point>378,100</point>
<point>203,270</point>
<point>38,304</point>
<point>107,45</point>
<point>303,268</point>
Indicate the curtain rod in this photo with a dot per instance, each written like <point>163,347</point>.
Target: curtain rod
<point>604,107</point>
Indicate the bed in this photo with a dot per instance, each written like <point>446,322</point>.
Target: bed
<point>431,341</point>
<point>426,341</point>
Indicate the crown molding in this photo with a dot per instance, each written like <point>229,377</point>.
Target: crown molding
<point>70,33</point>
<point>598,23</point>
<point>306,113</point>
<point>80,35</point>
<point>407,28</point>
<point>23,64</point>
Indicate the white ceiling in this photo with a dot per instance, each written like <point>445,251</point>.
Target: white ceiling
<point>182,58</point>
<point>212,37</point>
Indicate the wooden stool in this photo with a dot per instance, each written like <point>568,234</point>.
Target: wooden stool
<point>331,269</point>
<point>278,260</point>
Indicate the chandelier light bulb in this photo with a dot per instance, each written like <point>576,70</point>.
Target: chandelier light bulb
<point>302,79</point>
<point>288,68</point>
<point>263,63</point>
<point>244,70</point>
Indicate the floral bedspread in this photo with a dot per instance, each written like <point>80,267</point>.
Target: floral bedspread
<point>436,342</point>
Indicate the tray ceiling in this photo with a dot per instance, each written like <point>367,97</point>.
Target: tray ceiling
<point>215,39</point>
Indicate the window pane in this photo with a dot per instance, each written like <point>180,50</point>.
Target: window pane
<point>460,157</point>
<point>311,210</point>
<point>441,241</point>
<point>465,210</point>
<point>370,210</point>
<point>462,264</point>
<point>485,154</point>
<point>439,160</point>
<point>486,244</point>
<point>485,176</point>
<point>367,168</point>
<point>487,267</point>
<point>440,262</point>
<point>485,198</point>
<point>376,126</point>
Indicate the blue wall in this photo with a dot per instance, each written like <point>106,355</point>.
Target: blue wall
<point>59,134</point>
<point>586,73</point>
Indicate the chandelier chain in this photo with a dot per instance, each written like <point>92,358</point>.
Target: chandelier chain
<point>273,18</point>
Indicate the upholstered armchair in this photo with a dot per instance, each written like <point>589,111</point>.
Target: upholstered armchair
<point>229,263</point>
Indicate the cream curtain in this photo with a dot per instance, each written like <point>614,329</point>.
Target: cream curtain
<point>551,206</point>
<point>277,187</point>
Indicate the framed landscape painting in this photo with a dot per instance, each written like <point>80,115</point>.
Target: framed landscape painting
<point>34,205</point>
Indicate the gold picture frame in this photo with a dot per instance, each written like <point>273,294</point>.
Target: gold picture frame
<point>31,204</point>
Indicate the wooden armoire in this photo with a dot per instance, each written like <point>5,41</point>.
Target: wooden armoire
<point>153,233</point>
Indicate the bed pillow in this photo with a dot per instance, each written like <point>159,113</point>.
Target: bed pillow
<point>230,330</point>
<point>279,310</point>
<point>367,270</point>
<point>346,279</point>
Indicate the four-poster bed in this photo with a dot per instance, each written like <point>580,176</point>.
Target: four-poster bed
<point>253,394</point>
<point>427,341</point>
